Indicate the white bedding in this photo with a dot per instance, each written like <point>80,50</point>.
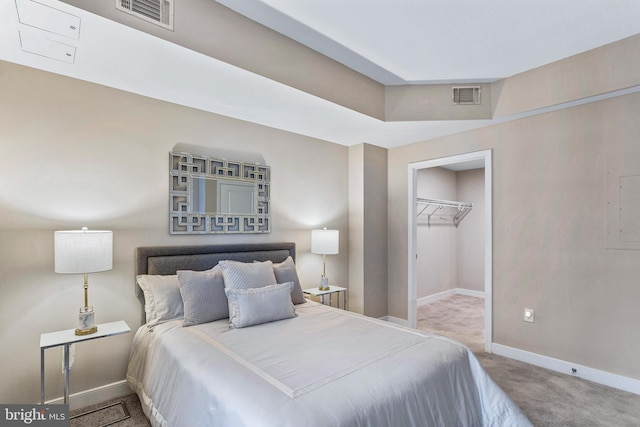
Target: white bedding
<point>325,367</point>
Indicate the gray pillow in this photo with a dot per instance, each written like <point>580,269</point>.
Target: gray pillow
<point>162,300</point>
<point>253,306</point>
<point>286,272</point>
<point>244,275</point>
<point>203,296</point>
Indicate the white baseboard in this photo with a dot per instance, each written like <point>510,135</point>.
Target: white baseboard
<point>94,395</point>
<point>601,377</point>
<point>449,293</point>
<point>435,297</point>
<point>470,293</point>
<point>590,374</point>
<point>395,320</point>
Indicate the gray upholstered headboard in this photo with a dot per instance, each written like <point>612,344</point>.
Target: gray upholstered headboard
<point>169,259</point>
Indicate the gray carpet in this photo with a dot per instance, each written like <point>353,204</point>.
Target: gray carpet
<point>548,398</point>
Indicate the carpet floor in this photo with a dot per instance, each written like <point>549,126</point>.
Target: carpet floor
<point>548,398</point>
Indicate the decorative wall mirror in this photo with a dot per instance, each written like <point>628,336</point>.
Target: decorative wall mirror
<point>208,196</point>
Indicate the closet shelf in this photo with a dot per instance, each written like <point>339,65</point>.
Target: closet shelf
<point>444,210</point>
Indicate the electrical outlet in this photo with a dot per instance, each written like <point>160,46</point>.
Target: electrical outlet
<point>529,315</point>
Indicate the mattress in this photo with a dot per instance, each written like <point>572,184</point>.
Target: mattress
<point>324,367</point>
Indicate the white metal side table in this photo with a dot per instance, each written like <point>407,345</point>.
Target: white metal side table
<point>68,337</point>
<point>332,290</point>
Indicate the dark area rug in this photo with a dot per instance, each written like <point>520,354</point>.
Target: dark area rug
<point>105,417</point>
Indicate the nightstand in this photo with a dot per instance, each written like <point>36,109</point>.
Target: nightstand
<point>316,292</point>
<point>68,337</point>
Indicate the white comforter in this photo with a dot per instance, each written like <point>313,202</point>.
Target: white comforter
<point>326,367</point>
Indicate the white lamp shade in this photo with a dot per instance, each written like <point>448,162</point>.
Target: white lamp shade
<point>325,242</point>
<point>83,251</point>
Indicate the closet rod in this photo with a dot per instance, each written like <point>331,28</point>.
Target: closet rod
<point>461,209</point>
<point>444,203</point>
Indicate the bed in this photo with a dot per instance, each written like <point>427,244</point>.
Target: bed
<point>299,363</point>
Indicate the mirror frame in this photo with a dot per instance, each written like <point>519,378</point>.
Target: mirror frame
<point>183,167</point>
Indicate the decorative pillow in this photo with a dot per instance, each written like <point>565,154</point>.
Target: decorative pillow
<point>203,296</point>
<point>286,272</point>
<point>244,275</point>
<point>254,306</point>
<point>162,299</point>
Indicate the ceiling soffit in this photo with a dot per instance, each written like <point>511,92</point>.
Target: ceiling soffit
<point>356,107</point>
<point>212,29</point>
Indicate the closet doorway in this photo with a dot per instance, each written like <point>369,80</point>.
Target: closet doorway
<point>452,216</point>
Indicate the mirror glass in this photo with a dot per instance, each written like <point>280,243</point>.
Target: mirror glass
<point>211,195</point>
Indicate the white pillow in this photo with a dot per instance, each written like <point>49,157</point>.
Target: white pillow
<point>253,306</point>
<point>286,272</point>
<point>203,296</point>
<point>244,275</point>
<point>162,299</point>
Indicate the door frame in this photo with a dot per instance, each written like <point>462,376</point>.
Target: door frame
<point>413,168</point>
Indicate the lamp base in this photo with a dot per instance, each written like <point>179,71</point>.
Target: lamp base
<point>86,322</point>
<point>324,283</point>
<point>89,331</point>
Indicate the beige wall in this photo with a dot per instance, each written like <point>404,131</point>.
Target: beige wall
<point>434,102</point>
<point>210,28</point>
<point>549,250</point>
<point>436,241</point>
<point>599,71</point>
<point>367,230</point>
<point>470,236</point>
<point>356,228</point>
<point>78,154</point>
<point>553,183</point>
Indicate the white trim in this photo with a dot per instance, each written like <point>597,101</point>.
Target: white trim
<point>94,395</point>
<point>601,377</point>
<point>395,320</point>
<point>412,288</point>
<point>435,297</point>
<point>488,251</point>
<point>470,293</point>
<point>488,244</point>
<point>449,293</point>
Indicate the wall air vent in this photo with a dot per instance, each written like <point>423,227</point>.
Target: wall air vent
<point>466,95</point>
<point>159,12</point>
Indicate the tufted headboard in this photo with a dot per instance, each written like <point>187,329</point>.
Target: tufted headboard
<point>169,259</point>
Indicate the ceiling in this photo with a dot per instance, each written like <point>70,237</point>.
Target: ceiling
<point>433,41</point>
<point>393,42</point>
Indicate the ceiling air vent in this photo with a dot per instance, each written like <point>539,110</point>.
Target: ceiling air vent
<point>467,95</point>
<point>159,12</point>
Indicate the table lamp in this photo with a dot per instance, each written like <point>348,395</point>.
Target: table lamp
<point>83,252</point>
<point>325,242</point>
